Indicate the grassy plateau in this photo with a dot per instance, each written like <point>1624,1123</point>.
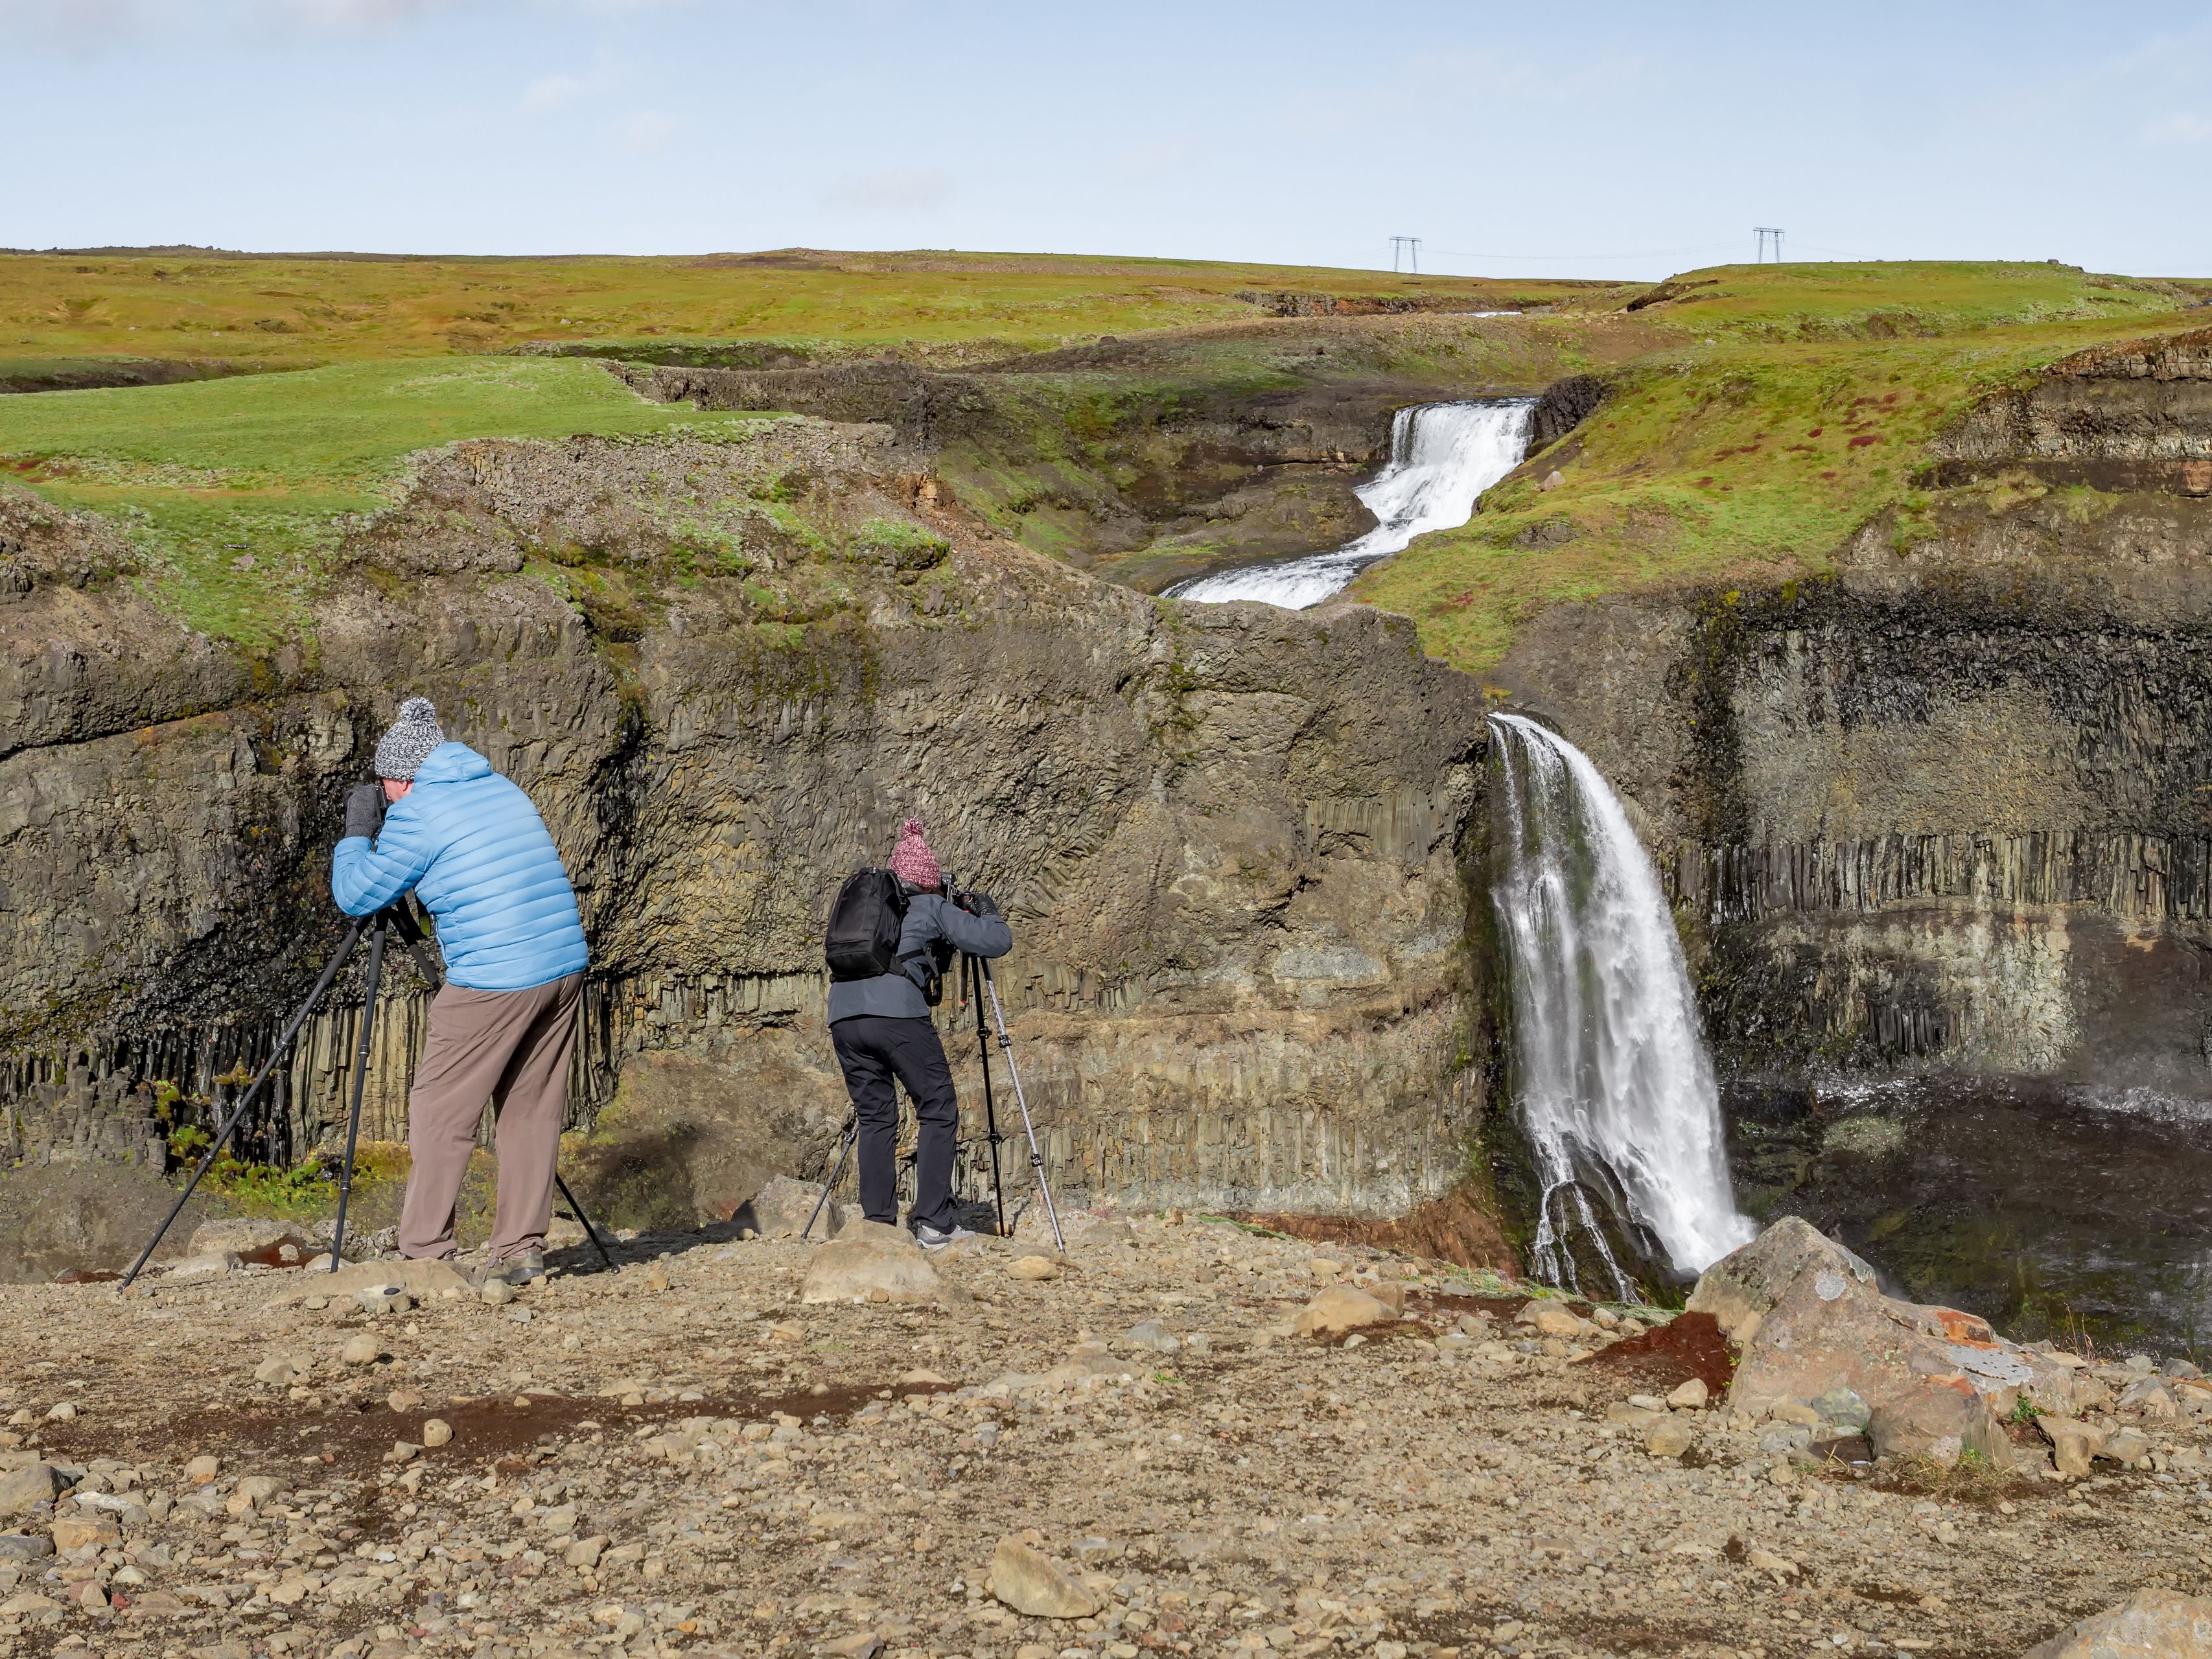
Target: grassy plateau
<point>1755,415</point>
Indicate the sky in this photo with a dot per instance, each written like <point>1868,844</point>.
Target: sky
<point>1604,140</point>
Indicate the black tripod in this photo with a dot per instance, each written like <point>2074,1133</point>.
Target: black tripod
<point>975,981</point>
<point>396,917</point>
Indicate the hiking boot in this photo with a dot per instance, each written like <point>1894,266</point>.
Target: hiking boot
<point>516,1270</point>
<point>936,1238</point>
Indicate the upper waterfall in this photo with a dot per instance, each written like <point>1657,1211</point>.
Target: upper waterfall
<point>1616,1087</point>
<point>1442,456</point>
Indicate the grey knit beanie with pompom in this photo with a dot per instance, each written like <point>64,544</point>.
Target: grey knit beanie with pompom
<point>409,739</point>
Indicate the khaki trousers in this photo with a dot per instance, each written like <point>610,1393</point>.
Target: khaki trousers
<point>512,1048</point>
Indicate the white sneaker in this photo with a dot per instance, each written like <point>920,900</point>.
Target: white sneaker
<point>934,1238</point>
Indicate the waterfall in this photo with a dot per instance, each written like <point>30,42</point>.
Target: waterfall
<point>1442,457</point>
<point>1616,1091</point>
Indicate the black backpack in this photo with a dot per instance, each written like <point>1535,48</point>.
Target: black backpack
<point>863,939</point>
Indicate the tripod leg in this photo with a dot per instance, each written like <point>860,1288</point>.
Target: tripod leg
<point>585,1221</point>
<point>1028,1126</point>
<point>970,973</point>
<point>852,1134</point>
<point>360,1084</point>
<point>284,1042</point>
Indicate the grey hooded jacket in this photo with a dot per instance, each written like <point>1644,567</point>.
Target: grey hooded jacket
<point>932,925</point>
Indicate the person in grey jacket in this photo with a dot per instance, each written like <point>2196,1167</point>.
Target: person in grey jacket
<point>882,1029</point>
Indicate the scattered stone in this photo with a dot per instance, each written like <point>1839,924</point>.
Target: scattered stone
<point>1340,1309</point>
<point>1032,1583</point>
<point>496,1293</point>
<point>1034,1268</point>
<point>28,1602</point>
<point>1939,1423</point>
<point>1689,1396</point>
<point>1549,1319</point>
<point>74,1532</point>
<point>2128,1448</point>
<point>436,1431</point>
<point>1668,1437</point>
<point>585,1551</point>
<point>280,1372</point>
<point>203,1470</point>
<point>362,1349</point>
<point>2152,1623</point>
<point>2072,1442</point>
<point>33,1484</point>
<point>782,1208</point>
<point>19,1547</point>
<point>241,1236</point>
<point>854,1265</point>
<point>214,1264</point>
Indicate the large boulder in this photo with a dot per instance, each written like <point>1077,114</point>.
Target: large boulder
<point>783,1207</point>
<point>2152,1623</point>
<point>873,1264</point>
<point>1808,1318</point>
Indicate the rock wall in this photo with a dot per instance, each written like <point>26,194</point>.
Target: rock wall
<point>1953,806</point>
<point>1233,841</point>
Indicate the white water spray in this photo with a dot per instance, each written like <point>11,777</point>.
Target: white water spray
<point>1442,457</point>
<point>1616,1091</point>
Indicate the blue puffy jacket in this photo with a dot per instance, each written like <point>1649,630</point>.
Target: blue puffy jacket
<point>476,854</point>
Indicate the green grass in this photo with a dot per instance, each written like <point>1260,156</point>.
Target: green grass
<point>198,304</point>
<point>265,468</point>
<point>1790,406</point>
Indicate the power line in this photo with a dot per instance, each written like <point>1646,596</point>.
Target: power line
<point>1762,232</point>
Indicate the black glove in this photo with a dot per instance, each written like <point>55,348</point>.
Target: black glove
<point>364,809</point>
<point>981,904</point>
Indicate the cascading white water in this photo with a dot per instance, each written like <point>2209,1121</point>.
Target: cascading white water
<point>1442,457</point>
<point>1615,1088</point>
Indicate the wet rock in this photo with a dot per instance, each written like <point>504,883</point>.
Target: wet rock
<point>1032,1583</point>
<point>1340,1309</point>
<point>861,1265</point>
<point>2152,1623</point>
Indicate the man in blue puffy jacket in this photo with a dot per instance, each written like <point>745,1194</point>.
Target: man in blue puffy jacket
<point>475,852</point>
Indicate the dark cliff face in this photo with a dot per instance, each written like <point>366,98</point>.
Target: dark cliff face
<point>1232,840</point>
<point>1952,806</point>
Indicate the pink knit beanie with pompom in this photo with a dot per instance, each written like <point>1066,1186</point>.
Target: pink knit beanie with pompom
<point>912,862</point>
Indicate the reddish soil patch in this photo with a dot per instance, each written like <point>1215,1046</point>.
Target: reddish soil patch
<point>1691,1345</point>
<point>350,1435</point>
<point>1453,1228</point>
<point>1446,1305</point>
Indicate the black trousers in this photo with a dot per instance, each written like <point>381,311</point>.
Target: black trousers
<point>873,1050</point>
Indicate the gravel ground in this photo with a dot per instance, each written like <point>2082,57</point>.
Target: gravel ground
<point>683,1456</point>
